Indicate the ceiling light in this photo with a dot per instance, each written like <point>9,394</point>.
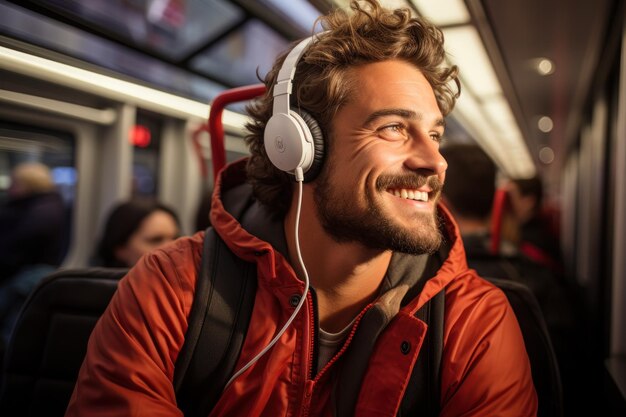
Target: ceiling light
<point>499,113</point>
<point>545,124</point>
<point>546,155</point>
<point>466,50</point>
<point>112,88</point>
<point>443,12</point>
<point>544,66</point>
<point>504,145</point>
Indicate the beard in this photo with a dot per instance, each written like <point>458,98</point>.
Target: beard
<point>371,226</point>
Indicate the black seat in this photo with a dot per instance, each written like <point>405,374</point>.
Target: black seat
<point>543,362</point>
<point>49,341</point>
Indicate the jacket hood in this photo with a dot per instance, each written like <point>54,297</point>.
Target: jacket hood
<point>249,228</point>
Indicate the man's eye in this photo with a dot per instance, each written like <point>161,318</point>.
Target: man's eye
<point>393,127</point>
<point>437,137</point>
<point>392,131</point>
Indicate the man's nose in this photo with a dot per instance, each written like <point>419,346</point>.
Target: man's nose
<point>425,158</point>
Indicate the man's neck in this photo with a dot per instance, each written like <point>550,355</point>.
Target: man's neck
<point>346,276</point>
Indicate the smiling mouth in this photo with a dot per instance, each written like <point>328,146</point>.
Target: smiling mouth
<point>409,194</point>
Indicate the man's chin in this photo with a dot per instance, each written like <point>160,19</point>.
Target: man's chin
<point>420,246</point>
<point>425,239</point>
<point>421,236</point>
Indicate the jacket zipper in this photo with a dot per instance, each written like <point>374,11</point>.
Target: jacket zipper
<point>336,357</point>
<point>311,359</point>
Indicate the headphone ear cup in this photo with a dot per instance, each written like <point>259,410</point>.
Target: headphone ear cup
<point>319,145</point>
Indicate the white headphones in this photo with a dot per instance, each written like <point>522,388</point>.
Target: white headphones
<point>293,138</point>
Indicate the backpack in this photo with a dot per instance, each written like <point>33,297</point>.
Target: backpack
<point>218,325</point>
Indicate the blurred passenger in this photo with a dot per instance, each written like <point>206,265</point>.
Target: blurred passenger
<point>539,242</point>
<point>537,234</point>
<point>32,228</point>
<point>374,89</point>
<point>32,221</point>
<point>134,228</point>
<point>469,193</point>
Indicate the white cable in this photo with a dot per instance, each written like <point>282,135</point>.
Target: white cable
<point>299,178</point>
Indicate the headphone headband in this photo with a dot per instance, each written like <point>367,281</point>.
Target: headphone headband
<point>284,80</point>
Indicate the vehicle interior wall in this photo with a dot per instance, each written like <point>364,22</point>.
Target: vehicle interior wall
<point>594,211</point>
<point>109,164</point>
<point>104,156</point>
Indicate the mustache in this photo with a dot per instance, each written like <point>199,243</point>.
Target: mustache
<point>385,182</point>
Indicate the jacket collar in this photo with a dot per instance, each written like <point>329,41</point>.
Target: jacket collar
<point>246,226</point>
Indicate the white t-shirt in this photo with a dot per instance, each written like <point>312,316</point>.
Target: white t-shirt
<point>330,343</point>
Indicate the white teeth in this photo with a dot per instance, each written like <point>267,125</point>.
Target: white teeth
<point>410,194</point>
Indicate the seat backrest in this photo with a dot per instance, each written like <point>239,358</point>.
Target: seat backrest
<point>50,338</point>
<point>543,362</point>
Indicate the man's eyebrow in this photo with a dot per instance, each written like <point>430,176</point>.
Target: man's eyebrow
<point>407,114</point>
<point>404,113</point>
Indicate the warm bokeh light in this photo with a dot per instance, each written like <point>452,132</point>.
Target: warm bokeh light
<point>545,124</point>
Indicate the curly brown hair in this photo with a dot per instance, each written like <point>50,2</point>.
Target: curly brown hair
<point>322,85</point>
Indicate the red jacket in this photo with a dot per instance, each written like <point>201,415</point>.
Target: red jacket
<point>130,360</point>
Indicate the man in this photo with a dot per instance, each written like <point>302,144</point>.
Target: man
<point>370,236</point>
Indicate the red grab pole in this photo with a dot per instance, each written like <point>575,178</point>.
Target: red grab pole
<point>216,128</point>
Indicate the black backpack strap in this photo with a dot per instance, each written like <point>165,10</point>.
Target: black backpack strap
<point>424,389</point>
<point>218,322</point>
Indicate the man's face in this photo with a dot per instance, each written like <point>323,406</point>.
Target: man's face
<point>384,172</point>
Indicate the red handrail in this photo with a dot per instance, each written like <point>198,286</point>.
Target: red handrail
<point>216,128</point>
<point>195,139</point>
<point>500,202</point>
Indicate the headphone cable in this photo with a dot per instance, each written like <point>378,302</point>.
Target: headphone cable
<point>299,178</point>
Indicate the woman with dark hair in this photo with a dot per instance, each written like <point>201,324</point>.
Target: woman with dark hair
<point>134,228</point>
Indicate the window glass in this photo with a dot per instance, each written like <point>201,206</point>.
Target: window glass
<point>235,59</point>
<point>300,13</point>
<point>31,27</point>
<point>173,28</point>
